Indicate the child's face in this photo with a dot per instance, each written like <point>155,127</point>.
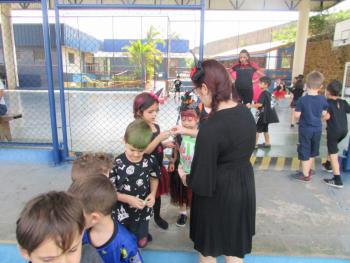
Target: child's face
<point>243,58</point>
<point>149,115</point>
<point>133,154</point>
<point>49,252</point>
<point>189,122</point>
<point>262,85</point>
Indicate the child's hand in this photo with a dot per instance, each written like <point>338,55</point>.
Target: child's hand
<point>150,200</point>
<point>171,167</point>
<point>182,174</point>
<point>178,129</point>
<point>164,135</point>
<point>136,202</point>
<point>169,144</point>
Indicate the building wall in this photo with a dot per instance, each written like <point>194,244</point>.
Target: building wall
<point>330,61</point>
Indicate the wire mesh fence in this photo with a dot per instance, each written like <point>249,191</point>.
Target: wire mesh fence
<point>108,60</point>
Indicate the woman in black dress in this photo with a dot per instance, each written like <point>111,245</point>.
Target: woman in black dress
<point>222,177</point>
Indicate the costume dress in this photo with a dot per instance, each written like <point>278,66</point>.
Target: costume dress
<point>244,80</point>
<point>179,193</point>
<point>158,154</point>
<point>222,182</point>
<point>121,247</point>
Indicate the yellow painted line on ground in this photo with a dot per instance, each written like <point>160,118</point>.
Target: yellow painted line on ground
<point>295,164</point>
<point>252,160</point>
<point>280,163</point>
<point>265,163</point>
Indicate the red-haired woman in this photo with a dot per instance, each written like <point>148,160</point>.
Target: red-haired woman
<point>222,177</point>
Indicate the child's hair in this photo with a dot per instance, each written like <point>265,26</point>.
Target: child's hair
<point>244,51</point>
<point>138,134</point>
<point>188,106</point>
<point>314,80</point>
<point>96,193</point>
<point>53,215</point>
<point>334,87</point>
<point>90,164</point>
<point>265,80</point>
<point>142,102</point>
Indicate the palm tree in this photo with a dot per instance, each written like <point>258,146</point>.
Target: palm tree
<point>145,55</point>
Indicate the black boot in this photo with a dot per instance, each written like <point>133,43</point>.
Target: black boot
<point>159,221</point>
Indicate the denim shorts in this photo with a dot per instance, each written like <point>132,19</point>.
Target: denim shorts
<point>309,144</point>
<point>3,109</point>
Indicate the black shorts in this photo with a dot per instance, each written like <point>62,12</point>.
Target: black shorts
<point>332,142</point>
<point>177,89</point>
<point>262,127</point>
<point>139,229</point>
<point>309,144</point>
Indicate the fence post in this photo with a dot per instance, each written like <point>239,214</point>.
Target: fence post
<point>201,40</point>
<point>60,81</point>
<point>51,92</point>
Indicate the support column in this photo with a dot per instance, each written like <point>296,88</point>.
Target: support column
<point>301,38</point>
<point>9,49</point>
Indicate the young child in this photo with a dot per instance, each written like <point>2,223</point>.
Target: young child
<point>177,85</point>
<point>182,157</point>
<point>266,115</point>
<point>280,90</point>
<point>135,177</point>
<point>337,129</point>
<point>310,108</point>
<point>146,108</point>
<point>50,229</point>
<point>297,91</point>
<point>112,240</point>
<point>91,164</point>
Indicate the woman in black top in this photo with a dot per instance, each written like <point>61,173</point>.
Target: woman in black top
<point>297,90</point>
<point>222,177</point>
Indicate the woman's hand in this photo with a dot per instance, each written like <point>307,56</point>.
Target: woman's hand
<point>164,135</point>
<point>178,129</point>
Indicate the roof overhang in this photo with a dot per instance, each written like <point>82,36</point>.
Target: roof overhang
<point>242,5</point>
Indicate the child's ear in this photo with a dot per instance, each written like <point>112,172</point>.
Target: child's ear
<point>24,253</point>
<point>95,218</point>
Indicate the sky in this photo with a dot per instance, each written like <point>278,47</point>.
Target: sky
<point>133,24</point>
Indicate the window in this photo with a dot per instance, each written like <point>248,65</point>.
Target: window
<point>38,55</point>
<point>71,58</point>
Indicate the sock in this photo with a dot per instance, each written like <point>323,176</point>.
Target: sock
<point>183,213</point>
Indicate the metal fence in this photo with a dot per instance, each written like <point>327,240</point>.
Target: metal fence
<point>107,61</point>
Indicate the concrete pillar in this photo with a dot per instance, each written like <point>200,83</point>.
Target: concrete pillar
<point>8,44</point>
<point>301,38</point>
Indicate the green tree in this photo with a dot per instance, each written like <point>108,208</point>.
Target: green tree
<point>144,54</point>
<point>321,26</point>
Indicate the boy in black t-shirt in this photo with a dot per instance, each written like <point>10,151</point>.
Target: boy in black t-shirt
<point>337,129</point>
<point>266,115</point>
<point>177,85</point>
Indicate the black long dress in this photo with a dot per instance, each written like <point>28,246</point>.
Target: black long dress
<point>222,181</point>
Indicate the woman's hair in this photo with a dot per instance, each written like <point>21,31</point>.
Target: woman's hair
<point>96,193</point>
<point>142,102</point>
<point>138,134</point>
<point>334,87</point>
<point>53,215</point>
<point>218,81</point>
<point>90,164</point>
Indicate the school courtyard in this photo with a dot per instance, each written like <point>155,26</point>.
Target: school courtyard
<point>306,220</point>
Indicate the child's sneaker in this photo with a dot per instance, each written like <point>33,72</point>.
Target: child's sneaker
<point>181,221</point>
<point>327,166</point>
<point>334,182</point>
<point>300,177</point>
